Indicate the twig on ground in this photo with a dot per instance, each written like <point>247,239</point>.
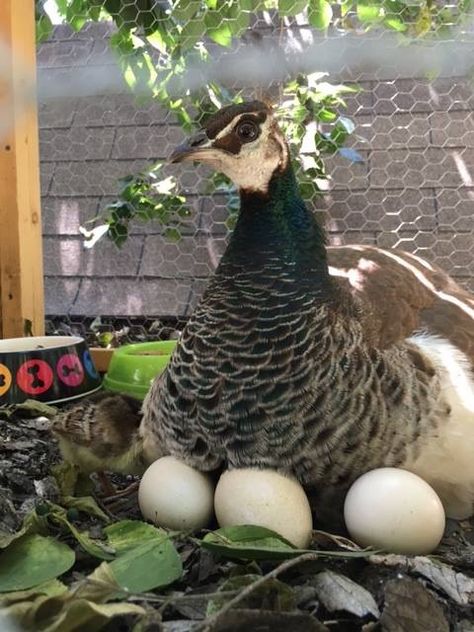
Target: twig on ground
<point>209,622</point>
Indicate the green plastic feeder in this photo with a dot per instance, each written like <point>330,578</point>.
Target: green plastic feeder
<point>133,368</point>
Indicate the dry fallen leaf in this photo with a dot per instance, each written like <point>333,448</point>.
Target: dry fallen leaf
<point>459,587</point>
<point>411,608</point>
<point>456,585</point>
<point>243,620</point>
<point>65,613</point>
<point>337,592</point>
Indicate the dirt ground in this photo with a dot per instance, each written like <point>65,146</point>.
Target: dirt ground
<point>376,592</point>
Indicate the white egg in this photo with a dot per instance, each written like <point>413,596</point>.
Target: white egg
<point>175,495</point>
<point>267,499</point>
<point>394,510</point>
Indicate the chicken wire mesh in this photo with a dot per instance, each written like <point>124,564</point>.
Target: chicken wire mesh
<point>403,177</point>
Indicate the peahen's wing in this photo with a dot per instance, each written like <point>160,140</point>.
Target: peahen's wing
<point>407,295</point>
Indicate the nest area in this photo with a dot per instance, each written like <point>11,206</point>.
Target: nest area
<point>435,593</point>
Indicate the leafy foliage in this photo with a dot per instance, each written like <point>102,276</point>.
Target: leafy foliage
<point>32,560</point>
<point>142,197</point>
<point>158,42</point>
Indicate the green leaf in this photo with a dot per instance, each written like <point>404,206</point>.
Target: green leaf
<point>62,6</point>
<point>325,115</point>
<point>33,560</point>
<point>95,9</point>
<point>249,542</point>
<point>44,28</point>
<point>147,558</point>
<point>185,10</point>
<point>231,222</point>
<point>157,40</point>
<point>96,548</point>
<point>51,588</point>
<point>291,7</point>
<point>124,535</point>
<point>76,14</point>
<point>395,24</point>
<point>32,523</point>
<point>151,565</point>
<point>320,13</point>
<point>118,233</point>
<point>86,504</point>
<point>33,408</point>
<point>173,234</point>
<point>369,12</point>
<point>65,474</point>
<point>237,20</point>
<point>339,133</point>
<point>192,32</point>
<point>222,35</point>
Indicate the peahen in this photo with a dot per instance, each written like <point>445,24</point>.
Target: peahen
<point>322,362</point>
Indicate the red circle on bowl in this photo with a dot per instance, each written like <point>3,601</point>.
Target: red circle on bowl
<point>69,370</point>
<point>34,377</point>
<point>5,379</point>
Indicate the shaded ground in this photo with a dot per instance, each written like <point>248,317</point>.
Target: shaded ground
<point>392,593</point>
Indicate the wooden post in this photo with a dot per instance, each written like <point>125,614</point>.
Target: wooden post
<point>21,255</point>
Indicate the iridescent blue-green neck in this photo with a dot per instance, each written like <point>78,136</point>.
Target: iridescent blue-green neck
<point>278,226</point>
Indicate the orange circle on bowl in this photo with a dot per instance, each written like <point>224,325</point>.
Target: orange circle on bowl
<point>5,379</point>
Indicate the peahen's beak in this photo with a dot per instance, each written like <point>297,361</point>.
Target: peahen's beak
<point>193,148</point>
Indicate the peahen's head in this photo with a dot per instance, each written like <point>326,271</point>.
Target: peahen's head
<point>242,141</point>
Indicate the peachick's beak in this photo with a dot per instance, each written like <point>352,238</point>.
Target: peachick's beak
<point>191,148</point>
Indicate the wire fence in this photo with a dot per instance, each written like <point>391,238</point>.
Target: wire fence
<point>404,177</point>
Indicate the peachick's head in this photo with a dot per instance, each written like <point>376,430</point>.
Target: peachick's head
<point>242,141</point>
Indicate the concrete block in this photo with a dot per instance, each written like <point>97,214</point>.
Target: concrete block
<point>66,256</point>
<point>345,174</point>
<point>46,176</point>
<point>72,52</point>
<point>133,297</point>
<point>192,257</point>
<point>119,110</point>
<point>395,131</point>
<point>454,252</point>
<point>56,113</point>
<point>94,178</point>
<point>433,167</point>
<point>59,294</point>
<point>452,129</point>
<point>379,210</point>
<point>156,141</point>
<point>215,214</point>
<point>63,216</point>
<point>75,143</point>
<point>456,209</point>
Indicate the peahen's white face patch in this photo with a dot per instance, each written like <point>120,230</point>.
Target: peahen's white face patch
<point>252,168</point>
<point>257,161</point>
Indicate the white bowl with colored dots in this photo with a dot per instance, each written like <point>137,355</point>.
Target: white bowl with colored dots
<point>50,369</point>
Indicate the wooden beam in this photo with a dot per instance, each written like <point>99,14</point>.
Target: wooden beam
<point>21,256</point>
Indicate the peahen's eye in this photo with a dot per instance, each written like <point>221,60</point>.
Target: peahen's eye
<point>248,131</point>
